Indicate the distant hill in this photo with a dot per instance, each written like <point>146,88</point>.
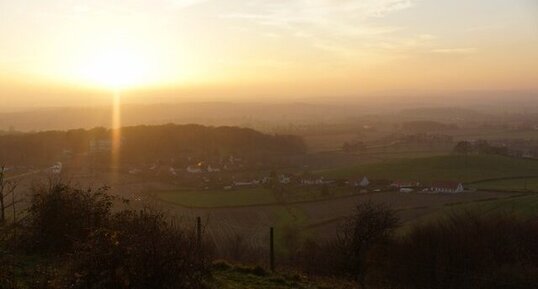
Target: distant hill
<point>146,143</point>
<point>449,114</point>
<point>260,116</point>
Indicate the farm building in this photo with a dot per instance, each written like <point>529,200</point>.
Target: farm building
<point>402,184</point>
<point>447,187</point>
<point>361,181</point>
<point>311,180</point>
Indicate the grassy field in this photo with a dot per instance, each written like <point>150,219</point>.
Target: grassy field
<point>218,198</point>
<point>523,205</point>
<point>520,184</point>
<point>226,276</point>
<point>247,197</point>
<point>448,167</point>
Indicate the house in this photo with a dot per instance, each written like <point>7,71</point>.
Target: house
<point>283,179</point>
<point>311,180</point>
<point>360,182</point>
<point>403,184</point>
<point>194,170</point>
<point>57,168</point>
<point>172,171</point>
<point>246,183</point>
<point>211,169</point>
<point>135,171</point>
<point>446,187</point>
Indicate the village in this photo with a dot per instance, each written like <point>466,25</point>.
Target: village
<point>233,176</point>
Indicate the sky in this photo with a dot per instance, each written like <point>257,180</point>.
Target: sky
<point>68,52</point>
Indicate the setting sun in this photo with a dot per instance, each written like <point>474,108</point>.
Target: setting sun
<point>115,67</point>
<point>158,144</point>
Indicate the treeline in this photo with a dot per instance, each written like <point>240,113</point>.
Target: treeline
<point>427,126</point>
<point>146,143</point>
<point>480,147</point>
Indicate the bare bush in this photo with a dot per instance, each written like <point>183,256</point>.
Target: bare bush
<point>358,239</point>
<point>61,215</point>
<point>138,250</point>
<point>237,248</point>
<point>467,250</point>
<point>7,271</point>
<point>370,226</point>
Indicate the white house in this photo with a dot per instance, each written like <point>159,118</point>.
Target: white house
<point>172,171</point>
<point>447,187</point>
<point>403,184</point>
<point>250,183</point>
<point>211,169</point>
<point>312,180</point>
<point>194,169</point>
<point>361,182</point>
<point>283,179</point>
<point>57,168</point>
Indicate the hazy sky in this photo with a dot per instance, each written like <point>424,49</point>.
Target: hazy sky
<point>68,51</point>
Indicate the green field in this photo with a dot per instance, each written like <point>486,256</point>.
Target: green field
<point>525,205</point>
<point>448,167</point>
<point>218,198</point>
<point>520,184</point>
<point>247,197</point>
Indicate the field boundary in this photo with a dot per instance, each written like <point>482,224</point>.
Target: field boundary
<point>274,204</point>
<point>339,218</point>
<point>501,179</point>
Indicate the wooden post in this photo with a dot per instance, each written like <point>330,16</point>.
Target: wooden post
<point>199,232</point>
<point>272,249</point>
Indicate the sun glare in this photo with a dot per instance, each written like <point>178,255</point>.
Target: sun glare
<point>115,67</point>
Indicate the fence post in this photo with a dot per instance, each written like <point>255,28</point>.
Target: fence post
<point>272,249</point>
<point>199,232</point>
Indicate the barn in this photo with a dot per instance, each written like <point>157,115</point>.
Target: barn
<point>447,187</point>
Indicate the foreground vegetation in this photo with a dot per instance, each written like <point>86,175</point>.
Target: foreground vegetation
<point>87,239</point>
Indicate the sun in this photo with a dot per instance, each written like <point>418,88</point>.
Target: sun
<point>115,67</point>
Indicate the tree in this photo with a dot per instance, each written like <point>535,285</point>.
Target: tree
<point>7,189</point>
<point>371,225</point>
<point>463,147</point>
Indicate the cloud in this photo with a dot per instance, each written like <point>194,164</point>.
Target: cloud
<point>331,25</point>
<point>186,3</point>
<point>455,51</point>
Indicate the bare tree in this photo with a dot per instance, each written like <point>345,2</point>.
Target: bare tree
<point>370,225</point>
<point>3,188</point>
<point>7,189</point>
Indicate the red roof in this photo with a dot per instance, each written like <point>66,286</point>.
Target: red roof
<point>453,185</point>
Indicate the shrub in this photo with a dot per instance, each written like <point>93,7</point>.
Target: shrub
<point>61,215</point>
<point>467,250</point>
<point>139,250</point>
<point>7,271</point>
<point>370,227</point>
<point>360,237</point>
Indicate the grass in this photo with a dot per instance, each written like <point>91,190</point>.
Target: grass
<point>288,233</point>
<point>247,197</point>
<point>525,205</point>
<point>218,198</point>
<point>521,184</point>
<point>242,277</point>
<point>447,167</point>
